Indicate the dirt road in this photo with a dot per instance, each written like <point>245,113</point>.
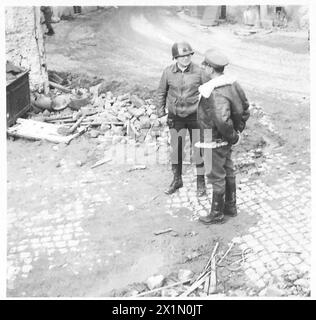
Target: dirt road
<point>131,45</point>
<point>111,214</point>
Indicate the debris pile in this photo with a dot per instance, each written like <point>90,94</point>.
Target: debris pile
<point>119,118</point>
<point>297,283</point>
<point>220,265</point>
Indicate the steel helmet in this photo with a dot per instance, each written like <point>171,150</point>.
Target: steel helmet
<point>180,49</point>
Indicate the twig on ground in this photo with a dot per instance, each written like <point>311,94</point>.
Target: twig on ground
<point>162,231</point>
<point>165,287</point>
<point>226,253</point>
<point>202,278</point>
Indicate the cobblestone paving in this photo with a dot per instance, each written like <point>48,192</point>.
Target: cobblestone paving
<point>54,232</point>
<point>280,242</point>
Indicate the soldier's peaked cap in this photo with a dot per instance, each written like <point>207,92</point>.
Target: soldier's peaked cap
<point>215,58</point>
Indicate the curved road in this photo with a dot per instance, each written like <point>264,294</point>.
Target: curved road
<point>132,44</point>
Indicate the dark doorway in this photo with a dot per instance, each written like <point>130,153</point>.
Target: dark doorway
<point>223,12</point>
<point>77,9</point>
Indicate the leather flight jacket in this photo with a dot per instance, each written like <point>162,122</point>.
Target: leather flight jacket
<point>178,90</point>
<point>225,112</point>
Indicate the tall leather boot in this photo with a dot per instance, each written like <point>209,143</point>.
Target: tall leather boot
<point>230,208</point>
<point>177,179</point>
<point>200,186</point>
<point>216,215</point>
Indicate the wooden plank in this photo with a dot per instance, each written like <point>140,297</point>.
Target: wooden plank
<point>100,162</point>
<point>38,130</point>
<point>59,87</point>
<point>201,280</point>
<point>213,280</point>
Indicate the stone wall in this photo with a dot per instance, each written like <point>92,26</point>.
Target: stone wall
<point>25,43</point>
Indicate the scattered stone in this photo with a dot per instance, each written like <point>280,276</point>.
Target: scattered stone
<point>133,293</point>
<point>77,102</point>
<point>271,291</point>
<point>185,274</point>
<point>302,283</point>
<point>79,163</point>
<point>60,163</point>
<point>155,282</point>
<point>94,133</point>
<point>46,113</point>
<point>169,292</point>
<point>138,102</point>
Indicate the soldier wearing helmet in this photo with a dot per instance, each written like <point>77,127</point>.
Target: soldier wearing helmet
<point>178,93</point>
<point>224,111</point>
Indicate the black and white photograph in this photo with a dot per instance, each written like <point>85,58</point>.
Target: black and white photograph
<point>157,151</point>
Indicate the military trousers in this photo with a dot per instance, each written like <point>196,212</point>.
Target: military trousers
<point>219,166</point>
<point>178,128</point>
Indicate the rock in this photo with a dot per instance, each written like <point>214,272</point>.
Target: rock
<point>55,148</point>
<point>124,97</point>
<point>144,122</point>
<point>99,103</point>
<point>302,283</point>
<point>60,163</point>
<point>292,276</point>
<point>121,117</point>
<point>116,139</point>
<point>79,163</point>
<point>149,112</point>
<point>94,133</point>
<point>133,293</point>
<point>236,283</point>
<point>76,102</point>
<point>107,86</point>
<point>169,292</point>
<point>238,293</point>
<point>46,113</point>
<point>153,116</point>
<point>117,130</point>
<point>138,102</point>
<point>105,127</point>
<point>119,105</point>
<point>271,291</point>
<point>155,282</point>
<point>139,112</point>
<point>185,274</point>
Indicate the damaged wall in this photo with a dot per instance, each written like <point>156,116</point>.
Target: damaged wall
<point>25,43</point>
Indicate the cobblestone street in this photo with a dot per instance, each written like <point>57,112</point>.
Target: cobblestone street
<point>280,243</point>
<point>53,237</point>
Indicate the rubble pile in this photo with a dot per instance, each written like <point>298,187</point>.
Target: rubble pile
<point>297,283</point>
<point>119,118</point>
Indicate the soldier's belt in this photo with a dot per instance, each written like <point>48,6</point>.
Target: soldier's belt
<point>211,145</point>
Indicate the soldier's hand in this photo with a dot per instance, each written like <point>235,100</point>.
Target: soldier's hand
<point>238,140</point>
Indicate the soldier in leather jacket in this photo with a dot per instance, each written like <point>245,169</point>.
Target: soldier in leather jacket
<point>178,93</point>
<point>223,112</point>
